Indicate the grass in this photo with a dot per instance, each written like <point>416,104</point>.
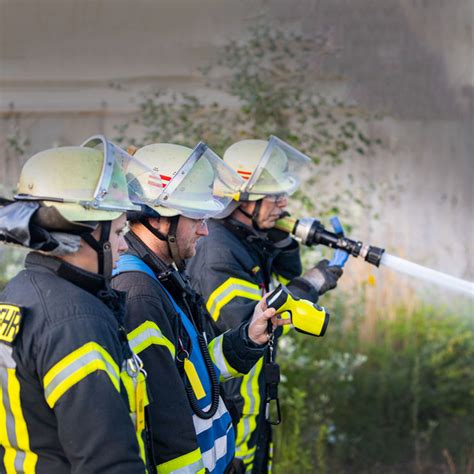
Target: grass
<point>390,388</point>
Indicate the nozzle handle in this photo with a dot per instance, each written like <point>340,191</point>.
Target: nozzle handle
<point>337,226</point>
<point>340,256</point>
<point>339,259</point>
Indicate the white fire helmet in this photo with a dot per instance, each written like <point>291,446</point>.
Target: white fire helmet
<point>268,167</point>
<point>194,183</point>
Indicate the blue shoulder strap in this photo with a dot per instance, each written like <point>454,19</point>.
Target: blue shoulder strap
<point>131,263</point>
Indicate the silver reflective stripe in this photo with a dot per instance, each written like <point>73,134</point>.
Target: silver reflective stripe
<point>201,425</point>
<point>6,359</point>
<point>149,334</point>
<point>7,362</point>
<point>143,336</point>
<point>245,457</point>
<point>20,460</point>
<point>218,451</point>
<point>219,359</point>
<point>76,365</point>
<point>246,427</point>
<point>248,384</point>
<point>231,289</point>
<point>190,468</point>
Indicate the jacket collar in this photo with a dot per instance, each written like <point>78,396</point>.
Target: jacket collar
<point>244,231</point>
<point>90,282</point>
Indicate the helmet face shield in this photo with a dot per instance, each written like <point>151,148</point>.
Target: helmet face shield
<point>121,176</point>
<point>278,171</point>
<point>84,183</point>
<point>203,187</point>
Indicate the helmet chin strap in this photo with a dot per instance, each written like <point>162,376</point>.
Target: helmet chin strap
<point>170,239</point>
<point>254,216</point>
<point>145,221</point>
<point>103,249</point>
<point>173,243</point>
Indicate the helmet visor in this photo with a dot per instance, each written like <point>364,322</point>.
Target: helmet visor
<point>122,178</point>
<point>279,170</point>
<point>203,187</point>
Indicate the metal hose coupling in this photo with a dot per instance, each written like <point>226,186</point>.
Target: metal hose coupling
<point>310,231</point>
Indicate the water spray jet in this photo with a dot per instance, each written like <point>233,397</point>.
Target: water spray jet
<point>310,231</point>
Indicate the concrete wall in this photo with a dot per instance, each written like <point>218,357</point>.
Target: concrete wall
<point>410,60</point>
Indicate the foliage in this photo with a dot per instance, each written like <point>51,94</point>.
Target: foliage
<point>15,147</point>
<point>11,259</point>
<point>397,402</point>
<point>269,86</point>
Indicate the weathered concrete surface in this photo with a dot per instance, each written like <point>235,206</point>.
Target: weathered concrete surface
<point>410,60</point>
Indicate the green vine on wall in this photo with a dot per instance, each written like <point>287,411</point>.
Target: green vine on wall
<point>269,81</point>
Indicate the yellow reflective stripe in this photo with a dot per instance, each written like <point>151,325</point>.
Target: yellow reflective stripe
<point>141,445</point>
<point>75,367</point>
<point>245,453</point>
<point>217,355</point>
<point>147,334</point>
<point>281,279</point>
<point>129,388</point>
<point>247,425</point>
<point>230,289</point>
<point>249,389</point>
<point>13,431</point>
<point>20,424</point>
<point>248,422</point>
<point>189,463</point>
<point>9,456</point>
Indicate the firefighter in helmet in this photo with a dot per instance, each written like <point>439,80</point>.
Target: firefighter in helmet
<point>72,394</point>
<point>167,323</point>
<point>243,257</point>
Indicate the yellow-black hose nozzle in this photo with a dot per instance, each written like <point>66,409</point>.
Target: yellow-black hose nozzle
<point>311,232</point>
<point>306,317</point>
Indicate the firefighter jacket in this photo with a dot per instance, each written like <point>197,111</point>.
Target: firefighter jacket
<point>64,393</point>
<point>234,265</point>
<point>163,322</point>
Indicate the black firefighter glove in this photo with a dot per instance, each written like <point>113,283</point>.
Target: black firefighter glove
<point>323,277</point>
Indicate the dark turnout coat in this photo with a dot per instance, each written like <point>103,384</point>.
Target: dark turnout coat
<point>64,402</point>
<point>234,265</point>
<point>182,441</point>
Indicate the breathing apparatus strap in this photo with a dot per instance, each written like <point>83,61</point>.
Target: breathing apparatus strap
<point>171,238</point>
<point>255,213</point>
<point>146,223</point>
<point>102,248</point>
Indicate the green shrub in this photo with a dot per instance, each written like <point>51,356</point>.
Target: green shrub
<point>11,262</point>
<point>393,403</point>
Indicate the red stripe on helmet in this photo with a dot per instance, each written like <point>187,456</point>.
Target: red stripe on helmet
<point>245,174</point>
